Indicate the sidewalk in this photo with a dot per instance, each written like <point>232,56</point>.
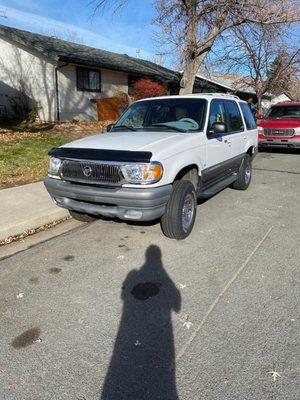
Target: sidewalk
<point>26,207</point>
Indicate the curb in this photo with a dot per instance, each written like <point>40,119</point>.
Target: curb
<point>33,223</point>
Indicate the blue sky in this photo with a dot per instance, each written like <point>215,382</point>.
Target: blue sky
<point>125,32</point>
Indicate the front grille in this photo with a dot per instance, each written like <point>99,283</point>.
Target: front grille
<point>279,132</point>
<point>92,172</point>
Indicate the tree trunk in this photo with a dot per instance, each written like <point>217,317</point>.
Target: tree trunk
<point>188,78</point>
<point>259,103</point>
<point>191,65</point>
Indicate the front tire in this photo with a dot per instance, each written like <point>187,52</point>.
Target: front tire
<point>244,175</point>
<point>179,217</point>
<point>81,217</point>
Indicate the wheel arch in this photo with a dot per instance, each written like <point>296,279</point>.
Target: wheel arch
<point>250,151</point>
<point>189,173</point>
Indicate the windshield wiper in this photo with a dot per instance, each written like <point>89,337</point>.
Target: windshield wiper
<point>174,128</point>
<point>131,128</point>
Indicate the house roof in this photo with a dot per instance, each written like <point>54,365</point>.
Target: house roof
<point>230,82</point>
<point>62,50</point>
<point>288,103</point>
<point>234,83</point>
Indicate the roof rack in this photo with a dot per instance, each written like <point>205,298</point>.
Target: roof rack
<point>222,95</point>
<point>215,95</point>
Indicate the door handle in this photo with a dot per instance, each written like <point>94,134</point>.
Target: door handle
<point>227,141</point>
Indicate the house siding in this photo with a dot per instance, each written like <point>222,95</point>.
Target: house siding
<point>76,104</point>
<point>22,70</point>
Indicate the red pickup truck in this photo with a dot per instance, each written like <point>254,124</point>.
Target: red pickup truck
<point>281,126</point>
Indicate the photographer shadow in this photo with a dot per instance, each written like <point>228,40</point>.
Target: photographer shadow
<point>142,365</point>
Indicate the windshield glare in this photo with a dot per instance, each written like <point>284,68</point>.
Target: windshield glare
<point>165,114</point>
<point>284,112</point>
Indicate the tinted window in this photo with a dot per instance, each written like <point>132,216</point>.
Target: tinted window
<point>235,122</point>
<point>248,116</point>
<point>284,112</point>
<point>217,112</point>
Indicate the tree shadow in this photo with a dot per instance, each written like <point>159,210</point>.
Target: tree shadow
<point>142,365</point>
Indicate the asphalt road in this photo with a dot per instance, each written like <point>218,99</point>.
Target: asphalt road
<point>111,311</point>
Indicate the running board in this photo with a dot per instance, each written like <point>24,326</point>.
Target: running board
<point>217,187</point>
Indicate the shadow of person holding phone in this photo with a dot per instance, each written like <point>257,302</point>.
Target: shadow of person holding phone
<point>142,365</point>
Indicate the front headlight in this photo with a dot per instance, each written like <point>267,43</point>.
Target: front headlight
<point>143,173</point>
<point>54,167</point>
<point>260,130</point>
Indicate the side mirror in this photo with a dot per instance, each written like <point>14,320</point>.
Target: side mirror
<point>260,116</point>
<point>109,127</point>
<point>217,127</point>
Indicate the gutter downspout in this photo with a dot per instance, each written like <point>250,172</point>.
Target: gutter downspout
<point>56,89</point>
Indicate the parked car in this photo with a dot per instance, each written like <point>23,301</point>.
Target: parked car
<point>155,161</point>
<point>281,126</point>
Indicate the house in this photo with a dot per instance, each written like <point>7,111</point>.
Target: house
<point>61,79</point>
<point>229,83</point>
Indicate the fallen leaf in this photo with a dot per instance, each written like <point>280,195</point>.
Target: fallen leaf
<point>182,285</point>
<point>188,324</point>
<point>275,375</point>
<point>215,269</point>
<point>20,296</point>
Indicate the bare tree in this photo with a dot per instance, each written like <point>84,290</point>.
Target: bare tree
<point>159,58</point>
<point>195,25</point>
<point>68,35</point>
<point>284,72</point>
<point>258,54</point>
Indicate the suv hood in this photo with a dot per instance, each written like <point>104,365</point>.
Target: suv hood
<point>280,123</point>
<point>155,142</point>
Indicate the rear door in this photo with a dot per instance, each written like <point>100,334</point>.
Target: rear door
<point>236,129</point>
<point>218,150</point>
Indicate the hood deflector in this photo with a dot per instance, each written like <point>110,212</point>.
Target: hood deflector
<point>101,155</point>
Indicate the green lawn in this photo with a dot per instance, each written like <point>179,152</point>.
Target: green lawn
<point>24,149</point>
<point>26,160</point>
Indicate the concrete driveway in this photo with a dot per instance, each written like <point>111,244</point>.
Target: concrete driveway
<point>115,311</point>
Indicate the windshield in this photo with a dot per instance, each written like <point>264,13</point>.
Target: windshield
<point>181,115</point>
<point>284,112</point>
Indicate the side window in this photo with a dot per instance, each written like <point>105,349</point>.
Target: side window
<point>235,122</point>
<point>248,116</point>
<point>217,112</point>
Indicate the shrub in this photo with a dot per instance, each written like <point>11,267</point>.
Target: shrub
<point>144,88</point>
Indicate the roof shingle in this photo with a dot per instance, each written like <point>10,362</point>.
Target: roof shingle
<point>62,50</point>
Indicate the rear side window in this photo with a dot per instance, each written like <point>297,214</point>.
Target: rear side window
<point>235,121</point>
<point>248,116</point>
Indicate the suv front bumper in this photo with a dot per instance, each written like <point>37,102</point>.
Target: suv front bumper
<point>145,204</point>
<point>282,142</point>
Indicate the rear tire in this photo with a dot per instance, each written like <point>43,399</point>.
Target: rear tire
<point>82,217</point>
<point>179,217</point>
<point>244,175</point>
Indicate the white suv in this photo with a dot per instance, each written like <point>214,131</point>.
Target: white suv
<point>156,160</point>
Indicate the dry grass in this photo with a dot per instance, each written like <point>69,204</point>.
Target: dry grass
<point>24,149</point>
